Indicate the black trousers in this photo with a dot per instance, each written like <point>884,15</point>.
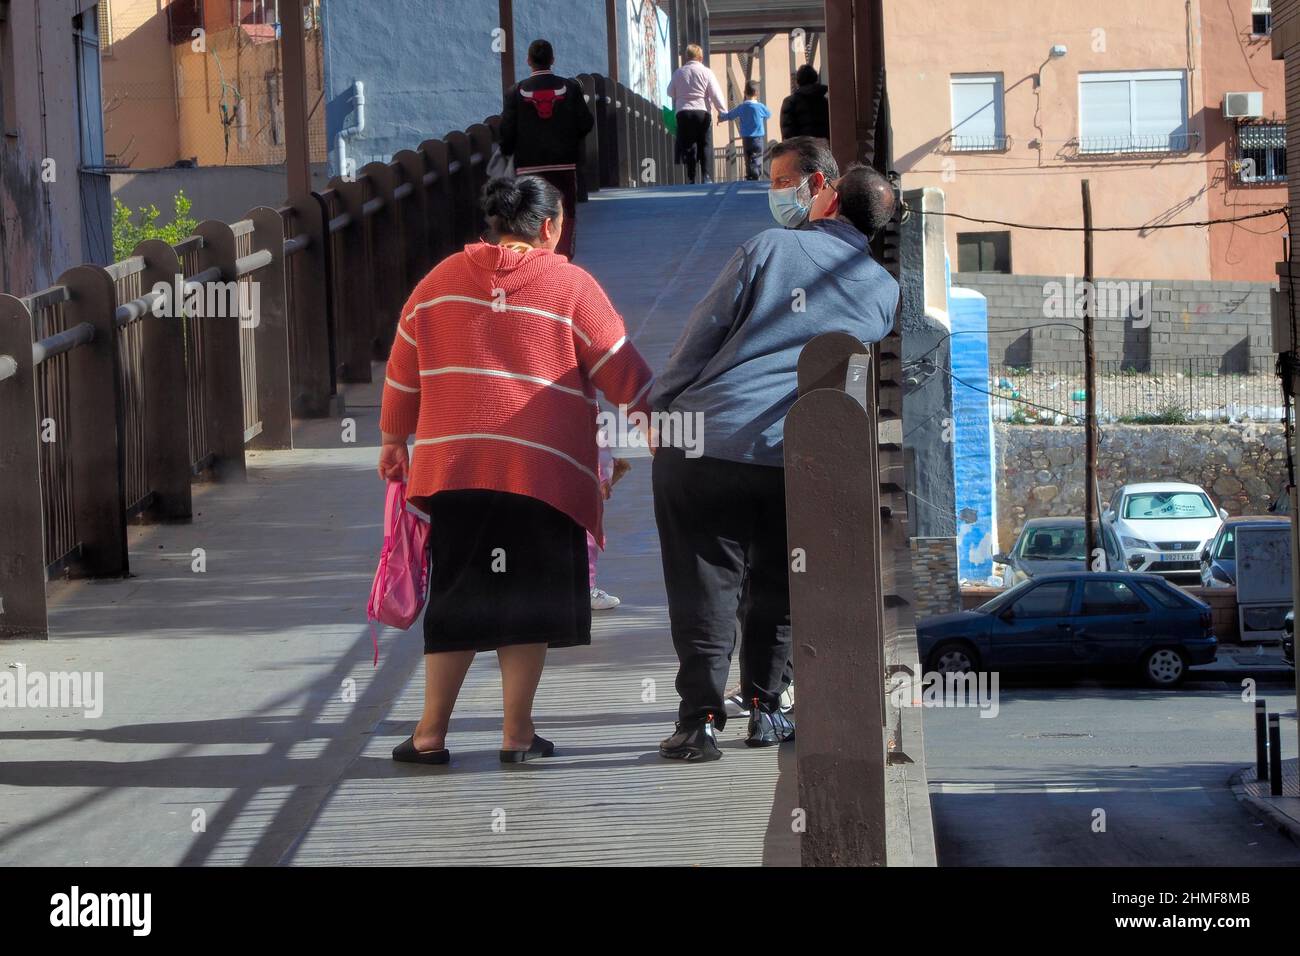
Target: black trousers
<point>693,142</point>
<point>722,538</point>
<point>754,157</point>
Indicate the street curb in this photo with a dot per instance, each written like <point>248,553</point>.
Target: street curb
<point>1262,809</point>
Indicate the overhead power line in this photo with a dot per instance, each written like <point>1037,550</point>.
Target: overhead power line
<point>1280,210</point>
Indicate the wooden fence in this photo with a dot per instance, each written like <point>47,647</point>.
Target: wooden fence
<point>119,385</point>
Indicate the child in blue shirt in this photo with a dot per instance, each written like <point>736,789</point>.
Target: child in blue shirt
<point>753,117</point>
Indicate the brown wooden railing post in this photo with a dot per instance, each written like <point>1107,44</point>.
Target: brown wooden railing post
<point>95,429</point>
<point>354,274</point>
<point>606,131</point>
<point>224,386</point>
<point>413,211</point>
<point>166,421</point>
<point>442,230</point>
<point>833,521</point>
<point>480,141</point>
<point>462,186</point>
<point>589,161</point>
<point>311,374</point>
<point>22,543</point>
<point>271,333</point>
<point>387,259</point>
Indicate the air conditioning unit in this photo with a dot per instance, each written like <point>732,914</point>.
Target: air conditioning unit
<point>1243,105</point>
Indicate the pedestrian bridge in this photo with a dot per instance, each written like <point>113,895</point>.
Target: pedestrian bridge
<point>246,690</point>
<point>243,721</point>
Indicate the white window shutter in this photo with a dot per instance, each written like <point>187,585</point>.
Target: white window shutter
<point>975,113</point>
<point>1105,116</point>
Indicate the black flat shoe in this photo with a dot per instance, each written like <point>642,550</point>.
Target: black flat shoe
<point>541,748</point>
<point>405,752</point>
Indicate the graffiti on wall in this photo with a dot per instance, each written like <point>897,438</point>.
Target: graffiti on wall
<point>649,58</point>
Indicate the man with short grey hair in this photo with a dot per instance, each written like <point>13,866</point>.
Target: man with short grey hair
<point>721,516</point>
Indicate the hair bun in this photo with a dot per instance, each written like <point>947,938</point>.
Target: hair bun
<point>502,197</point>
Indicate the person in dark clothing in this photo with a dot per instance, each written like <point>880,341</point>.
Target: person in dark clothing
<point>721,515</point>
<point>543,123</point>
<point>806,112</point>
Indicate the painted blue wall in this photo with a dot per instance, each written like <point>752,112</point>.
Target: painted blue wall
<point>576,28</point>
<point>429,68</point>
<point>972,435</point>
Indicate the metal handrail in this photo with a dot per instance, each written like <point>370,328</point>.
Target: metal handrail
<point>128,312</point>
<point>250,263</point>
<point>60,342</point>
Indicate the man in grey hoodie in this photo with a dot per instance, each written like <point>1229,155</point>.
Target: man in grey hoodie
<point>721,515</point>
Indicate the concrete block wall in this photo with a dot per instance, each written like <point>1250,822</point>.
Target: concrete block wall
<point>1223,321</point>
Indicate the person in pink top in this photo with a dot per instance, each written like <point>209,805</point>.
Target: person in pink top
<point>694,90</point>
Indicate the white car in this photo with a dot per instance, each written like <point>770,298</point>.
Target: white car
<point>1163,526</point>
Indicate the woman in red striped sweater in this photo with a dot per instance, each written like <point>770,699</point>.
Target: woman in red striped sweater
<point>498,355</point>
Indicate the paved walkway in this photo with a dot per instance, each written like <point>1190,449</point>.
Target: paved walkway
<point>243,722</point>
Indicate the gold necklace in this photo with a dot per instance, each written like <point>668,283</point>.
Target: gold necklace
<point>522,247</point>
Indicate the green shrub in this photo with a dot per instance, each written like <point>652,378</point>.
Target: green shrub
<point>128,232</point>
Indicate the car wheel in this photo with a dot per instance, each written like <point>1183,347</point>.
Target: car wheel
<point>1164,667</point>
<point>954,657</point>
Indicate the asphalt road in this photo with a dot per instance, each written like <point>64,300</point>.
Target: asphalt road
<point>1102,774</point>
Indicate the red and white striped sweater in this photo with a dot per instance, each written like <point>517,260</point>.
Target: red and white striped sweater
<point>494,368</point>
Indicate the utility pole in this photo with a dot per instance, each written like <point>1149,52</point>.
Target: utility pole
<point>297,154</point>
<point>1089,386</point>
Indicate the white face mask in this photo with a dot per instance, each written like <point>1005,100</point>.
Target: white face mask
<point>786,206</point>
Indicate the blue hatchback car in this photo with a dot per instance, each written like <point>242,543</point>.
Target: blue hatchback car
<point>1077,622</point>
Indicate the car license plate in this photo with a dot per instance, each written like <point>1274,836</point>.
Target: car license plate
<point>1178,556</point>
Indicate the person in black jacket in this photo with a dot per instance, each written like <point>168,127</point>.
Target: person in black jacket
<point>806,112</point>
<point>543,123</point>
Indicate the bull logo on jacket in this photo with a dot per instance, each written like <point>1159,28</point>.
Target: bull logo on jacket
<point>543,100</point>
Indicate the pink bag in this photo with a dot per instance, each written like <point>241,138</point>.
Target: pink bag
<point>402,581</point>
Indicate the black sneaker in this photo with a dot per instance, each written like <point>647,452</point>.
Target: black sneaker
<point>768,727</point>
<point>693,740</point>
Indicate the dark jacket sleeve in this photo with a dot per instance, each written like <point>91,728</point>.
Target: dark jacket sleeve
<point>583,118</point>
<point>787,117</point>
<point>509,122</point>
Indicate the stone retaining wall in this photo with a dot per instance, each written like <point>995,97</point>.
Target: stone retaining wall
<point>1040,468</point>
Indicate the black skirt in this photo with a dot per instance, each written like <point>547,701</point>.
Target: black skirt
<point>505,569</point>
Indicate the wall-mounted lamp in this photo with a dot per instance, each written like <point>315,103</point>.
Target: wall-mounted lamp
<point>1059,50</point>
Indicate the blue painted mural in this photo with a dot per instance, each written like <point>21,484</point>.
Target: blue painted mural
<point>428,67</point>
<point>973,461</point>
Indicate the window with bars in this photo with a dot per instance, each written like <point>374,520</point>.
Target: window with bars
<point>977,118</point>
<point>1261,17</point>
<point>1261,153</point>
<point>1133,112</point>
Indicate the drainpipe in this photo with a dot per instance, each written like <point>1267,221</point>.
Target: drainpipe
<point>359,101</point>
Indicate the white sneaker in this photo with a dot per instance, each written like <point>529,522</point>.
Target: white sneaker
<point>602,600</point>
<point>734,704</point>
<point>787,698</point>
